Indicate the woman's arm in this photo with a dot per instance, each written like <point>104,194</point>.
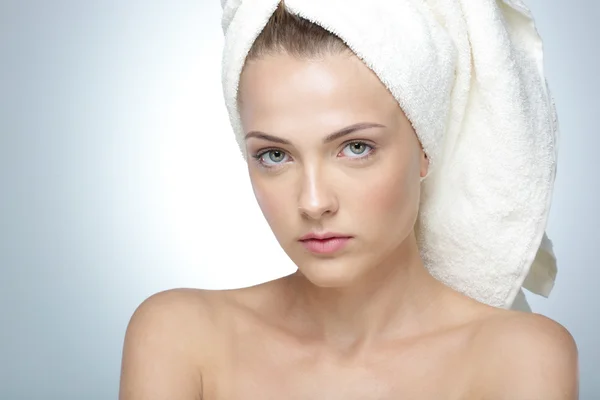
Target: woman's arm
<point>160,354</point>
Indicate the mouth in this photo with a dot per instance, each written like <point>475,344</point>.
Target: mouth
<point>324,235</point>
<point>328,245</point>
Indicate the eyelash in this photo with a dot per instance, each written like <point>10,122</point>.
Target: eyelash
<point>261,153</point>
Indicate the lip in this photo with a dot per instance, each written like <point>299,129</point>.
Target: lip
<point>325,246</point>
<point>328,245</point>
<point>323,236</point>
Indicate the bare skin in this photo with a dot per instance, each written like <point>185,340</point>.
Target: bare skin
<point>368,322</point>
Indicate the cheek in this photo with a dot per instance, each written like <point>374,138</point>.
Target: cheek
<point>387,196</point>
<point>271,201</point>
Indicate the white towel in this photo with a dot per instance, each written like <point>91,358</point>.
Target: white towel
<point>469,76</point>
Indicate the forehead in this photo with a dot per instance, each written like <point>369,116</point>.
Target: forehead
<point>336,87</point>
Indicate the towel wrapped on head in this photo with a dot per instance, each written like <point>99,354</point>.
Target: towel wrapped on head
<point>469,76</point>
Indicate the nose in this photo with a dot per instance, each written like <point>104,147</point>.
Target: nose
<point>316,197</point>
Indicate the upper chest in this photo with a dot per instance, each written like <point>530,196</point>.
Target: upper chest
<point>266,367</point>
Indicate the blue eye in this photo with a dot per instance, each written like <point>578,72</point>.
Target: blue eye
<point>273,155</point>
<point>272,158</point>
<point>358,148</point>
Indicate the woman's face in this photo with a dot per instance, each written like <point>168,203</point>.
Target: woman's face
<point>364,184</point>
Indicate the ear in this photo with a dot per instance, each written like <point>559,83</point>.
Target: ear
<point>424,163</point>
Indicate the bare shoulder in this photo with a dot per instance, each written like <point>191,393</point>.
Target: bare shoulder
<point>166,340</point>
<point>173,315</point>
<point>176,312</point>
<point>526,356</point>
<point>175,339</point>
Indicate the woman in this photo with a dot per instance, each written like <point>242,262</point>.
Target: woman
<point>340,164</point>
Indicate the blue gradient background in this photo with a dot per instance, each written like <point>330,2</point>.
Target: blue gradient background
<point>120,177</point>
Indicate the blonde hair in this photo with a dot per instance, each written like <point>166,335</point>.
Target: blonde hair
<point>296,36</point>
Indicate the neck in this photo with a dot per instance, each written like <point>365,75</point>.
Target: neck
<point>395,299</point>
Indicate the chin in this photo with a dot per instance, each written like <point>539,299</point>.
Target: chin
<point>329,273</point>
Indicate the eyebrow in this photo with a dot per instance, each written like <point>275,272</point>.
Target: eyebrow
<point>329,138</point>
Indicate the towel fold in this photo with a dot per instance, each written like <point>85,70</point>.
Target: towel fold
<point>469,76</point>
